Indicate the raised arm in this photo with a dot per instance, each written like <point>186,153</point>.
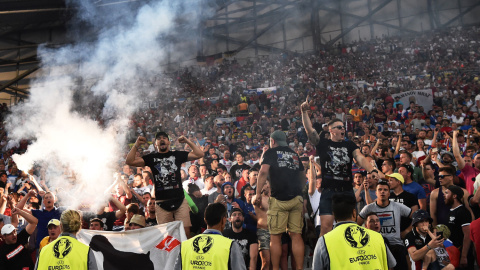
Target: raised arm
<point>121,208</point>
<point>363,162</point>
<point>196,151</point>
<point>34,181</point>
<point>312,177</point>
<point>307,123</point>
<point>32,221</point>
<point>21,203</point>
<point>128,192</point>
<point>399,142</point>
<point>374,149</point>
<point>132,159</point>
<point>456,151</point>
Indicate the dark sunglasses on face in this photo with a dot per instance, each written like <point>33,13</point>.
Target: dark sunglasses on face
<point>339,127</point>
<point>443,176</point>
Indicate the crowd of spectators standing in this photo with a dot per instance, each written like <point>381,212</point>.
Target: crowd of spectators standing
<point>426,159</point>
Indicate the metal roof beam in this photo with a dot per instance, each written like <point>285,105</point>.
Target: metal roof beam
<point>353,26</point>
<point>461,14</point>
<point>18,78</point>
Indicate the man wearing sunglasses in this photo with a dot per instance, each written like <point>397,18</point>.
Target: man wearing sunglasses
<point>336,158</point>
<point>439,210</point>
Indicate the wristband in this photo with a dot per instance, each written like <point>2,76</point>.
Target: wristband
<point>429,248</point>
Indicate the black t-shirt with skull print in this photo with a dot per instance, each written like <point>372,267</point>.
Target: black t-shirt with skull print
<point>336,160</point>
<point>166,173</point>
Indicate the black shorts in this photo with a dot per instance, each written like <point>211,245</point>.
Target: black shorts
<point>326,200</point>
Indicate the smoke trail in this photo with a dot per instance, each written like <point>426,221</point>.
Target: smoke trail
<point>103,78</point>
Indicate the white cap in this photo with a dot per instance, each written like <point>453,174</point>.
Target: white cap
<point>8,229</point>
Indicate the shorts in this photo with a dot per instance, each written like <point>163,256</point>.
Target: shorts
<point>181,214</point>
<point>263,239</point>
<point>326,200</point>
<point>285,216</point>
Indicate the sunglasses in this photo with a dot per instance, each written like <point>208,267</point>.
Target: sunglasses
<point>443,176</point>
<point>339,127</point>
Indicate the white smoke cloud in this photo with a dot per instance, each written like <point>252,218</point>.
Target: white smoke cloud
<point>104,76</point>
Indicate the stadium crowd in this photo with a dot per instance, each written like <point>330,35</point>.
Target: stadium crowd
<point>413,177</point>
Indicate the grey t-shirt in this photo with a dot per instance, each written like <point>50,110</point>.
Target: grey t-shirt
<point>6,219</point>
<point>389,219</point>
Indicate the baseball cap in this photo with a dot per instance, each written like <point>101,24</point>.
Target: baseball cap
<point>420,215</point>
<point>279,137</point>
<point>397,176</point>
<point>234,209</point>
<point>457,191</point>
<point>137,219</point>
<point>53,221</point>
<point>8,229</point>
<point>161,133</point>
<point>226,183</point>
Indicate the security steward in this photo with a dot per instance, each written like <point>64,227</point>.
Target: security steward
<point>67,252</point>
<point>349,246</point>
<point>211,250</point>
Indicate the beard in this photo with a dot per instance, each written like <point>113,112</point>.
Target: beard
<point>237,224</point>
<point>449,201</point>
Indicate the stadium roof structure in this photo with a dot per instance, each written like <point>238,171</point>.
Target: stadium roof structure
<point>246,28</point>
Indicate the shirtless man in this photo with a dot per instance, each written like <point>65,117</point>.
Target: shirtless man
<point>263,234</point>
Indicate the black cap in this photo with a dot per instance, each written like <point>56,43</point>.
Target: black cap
<point>420,215</point>
<point>457,191</point>
<point>234,209</point>
<point>161,133</point>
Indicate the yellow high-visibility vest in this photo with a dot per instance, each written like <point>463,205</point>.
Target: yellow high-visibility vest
<point>206,251</point>
<point>351,246</point>
<point>64,253</point>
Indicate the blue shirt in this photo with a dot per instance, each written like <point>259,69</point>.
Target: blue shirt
<point>416,189</point>
<point>44,217</point>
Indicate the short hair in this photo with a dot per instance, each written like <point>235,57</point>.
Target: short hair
<point>139,175</point>
<point>149,174</point>
<point>221,166</point>
<point>370,214</point>
<point>343,205</point>
<point>214,213</point>
<point>247,188</point>
<point>391,162</point>
<point>133,208</point>
<point>334,120</point>
<point>408,167</point>
<point>97,220</point>
<point>407,153</point>
<point>192,188</point>
<point>448,170</point>
<point>3,173</point>
<point>383,183</point>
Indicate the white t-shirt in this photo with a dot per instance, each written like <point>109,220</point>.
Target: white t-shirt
<point>208,192</point>
<point>315,203</point>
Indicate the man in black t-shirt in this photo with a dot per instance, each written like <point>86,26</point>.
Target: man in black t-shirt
<point>287,177</point>
<point>459,223</point>
<point>397,194</point>
<point>166,165</point>
<point>246,239</point>
<point>237,169</point>
<point>13,254</point>
<point>336,158</point>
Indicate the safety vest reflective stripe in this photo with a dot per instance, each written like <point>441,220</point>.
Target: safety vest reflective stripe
<point>206,251</point>
<point>351,246</point>
<point>64,253</point>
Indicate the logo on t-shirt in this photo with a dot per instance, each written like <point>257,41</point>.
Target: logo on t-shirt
<point>387,220</point>
<point>166,168</point>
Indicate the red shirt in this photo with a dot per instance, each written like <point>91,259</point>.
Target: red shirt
<point>475,236</point>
